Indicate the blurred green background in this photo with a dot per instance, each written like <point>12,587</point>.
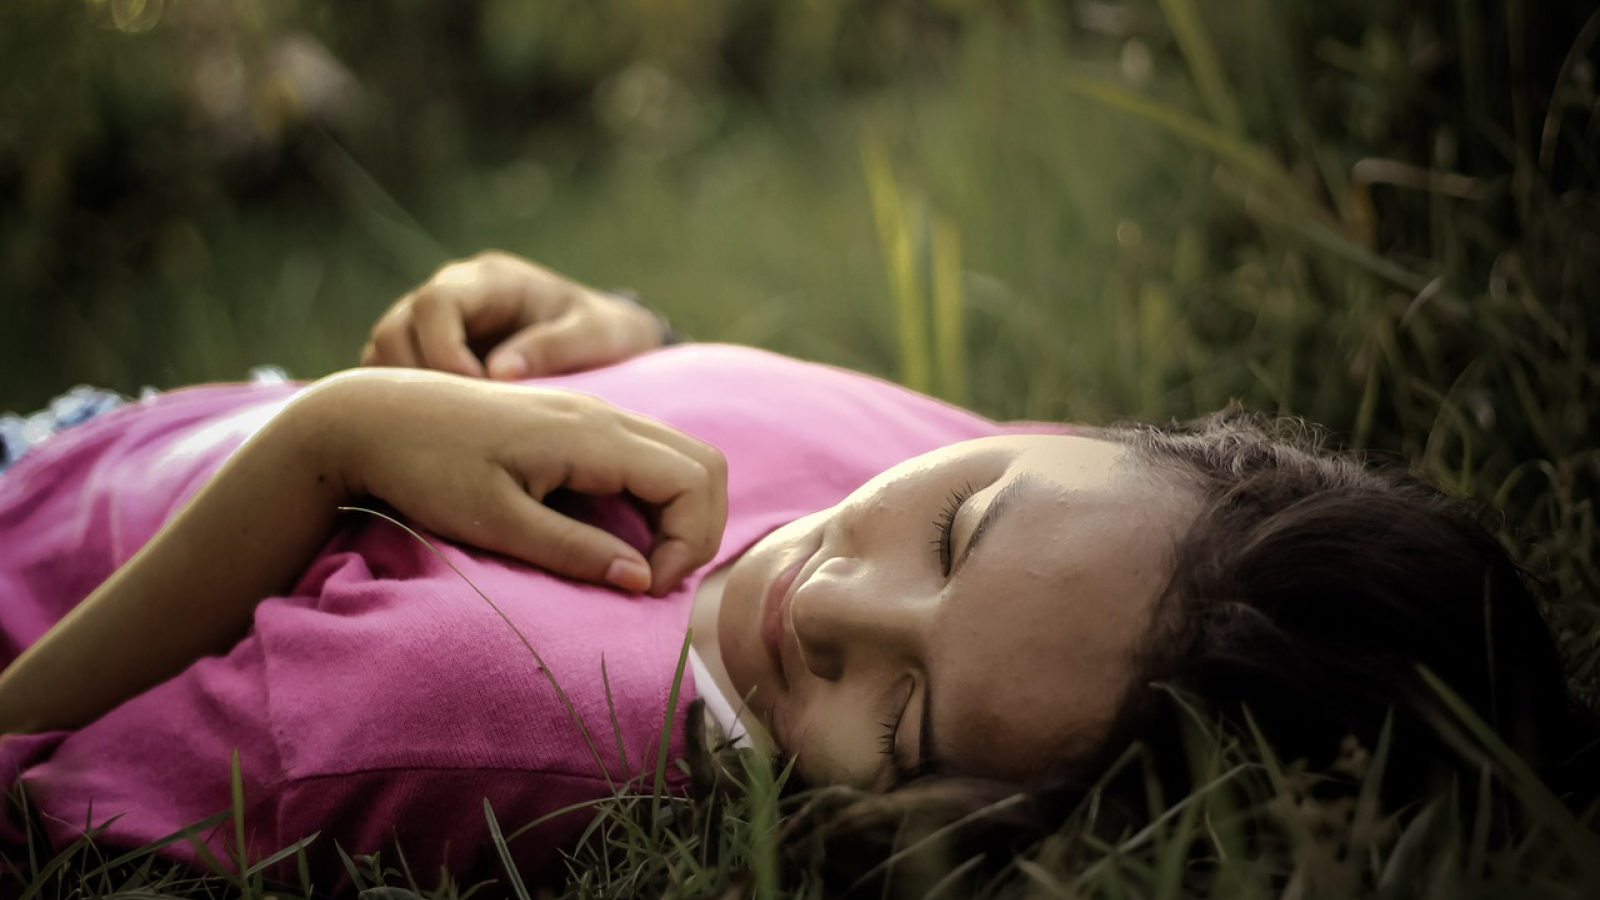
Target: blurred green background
<point>1383,216</point>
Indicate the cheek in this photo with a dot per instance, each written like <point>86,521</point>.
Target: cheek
<point>736,619</point>
<point>883,525</point>
<point>833,742</point>
<point>740,611</point>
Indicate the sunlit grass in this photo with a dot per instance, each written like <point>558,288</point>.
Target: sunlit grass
<point>1255,826</point>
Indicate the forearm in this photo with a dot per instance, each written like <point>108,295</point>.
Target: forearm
<point>191,591</point>
<point>466,459</point>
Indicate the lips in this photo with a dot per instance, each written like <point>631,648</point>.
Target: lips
<point>779,594</point>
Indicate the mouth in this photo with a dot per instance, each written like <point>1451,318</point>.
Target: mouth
<point>775,613</point>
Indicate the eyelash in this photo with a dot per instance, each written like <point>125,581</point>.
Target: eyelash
<point>945,522</point>
<point>891,728</point>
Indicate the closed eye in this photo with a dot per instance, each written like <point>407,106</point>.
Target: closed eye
<point>945,523</point>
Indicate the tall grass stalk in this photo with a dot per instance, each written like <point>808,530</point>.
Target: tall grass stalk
<point>949,325</point>
<point>905,284</point>
<point>1203,64</point>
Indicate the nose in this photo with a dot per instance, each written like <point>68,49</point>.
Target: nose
<point>844,617</point>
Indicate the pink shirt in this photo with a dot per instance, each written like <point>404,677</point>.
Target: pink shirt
<point>382,699</point>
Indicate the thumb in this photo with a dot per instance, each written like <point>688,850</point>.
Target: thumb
<point>563,344</point>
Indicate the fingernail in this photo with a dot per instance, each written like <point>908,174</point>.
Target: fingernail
<point>508,366</point>
<point>628,574</point>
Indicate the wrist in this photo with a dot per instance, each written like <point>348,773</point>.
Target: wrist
<point>327,430</point>
<point>665,334</point>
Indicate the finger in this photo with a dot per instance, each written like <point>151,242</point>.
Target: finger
<point>567,343</point>
<point>688,491</point>
<point>689,530</point>
<point>391,339</point>
<point>439,332</point>
<point>711,461</point>
<point>533,532</point>
<point>690,527</point>
<point>493,297</point>
<point>688,535</point>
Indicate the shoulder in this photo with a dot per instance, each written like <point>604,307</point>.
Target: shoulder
<point>420,685</point>
<point>724,394</point>
<point>394,655</point>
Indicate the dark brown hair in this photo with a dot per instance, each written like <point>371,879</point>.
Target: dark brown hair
<point>1308,595</point>
<point>1312,589</point>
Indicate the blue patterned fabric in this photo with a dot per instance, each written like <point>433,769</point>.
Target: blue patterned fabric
<point>19,433</point>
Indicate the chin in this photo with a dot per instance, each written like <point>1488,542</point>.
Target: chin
<point>739,628</point>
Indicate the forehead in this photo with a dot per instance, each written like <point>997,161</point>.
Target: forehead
<point>1034,645</point>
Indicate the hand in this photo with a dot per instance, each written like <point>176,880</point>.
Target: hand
<point>522,320</point>
<point>472,460</point>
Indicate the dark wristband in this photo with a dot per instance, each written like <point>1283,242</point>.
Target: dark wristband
<point>664,329</point>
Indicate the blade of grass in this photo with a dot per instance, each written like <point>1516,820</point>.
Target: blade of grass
<point>302,865</point>
<point>283,854</point>
<point>517,887</point>
<point>616,726</point>
<point>894,234</point>
<point>666,731</point>
<point>762,851</point>
<point>1368,798</point>
<point>60,862</point>
<point>1477,861</point>
<point>953,877</point>
<point>1402,872</point>
<point>208,858</point>
<point>949,328</point>
<point>208,822</point>
<point>1193,130</point>
<point>368,203</point>
<point>555,814</point>
<point>937,834</point>
<point>350,867</point>
<point>1203,65</point>
<point>241,851</point>
<point>1582,844</point>
<point>1552,117</point>
<point>1301,216</point>
<point>550,676</point>
<point>21,795</point>
<point>1042,877</point>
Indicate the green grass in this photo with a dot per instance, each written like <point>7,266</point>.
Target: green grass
<point>1386,221</point>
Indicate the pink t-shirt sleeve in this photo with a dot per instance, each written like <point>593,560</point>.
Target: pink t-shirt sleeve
<point>383,699</point>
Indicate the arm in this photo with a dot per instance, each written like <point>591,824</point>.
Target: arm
<point>466,459</point>
<point>191,590</point>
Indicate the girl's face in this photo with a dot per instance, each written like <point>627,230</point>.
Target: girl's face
<point>975,609</point>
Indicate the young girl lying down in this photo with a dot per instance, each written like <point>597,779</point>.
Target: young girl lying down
<point>899,594</point>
